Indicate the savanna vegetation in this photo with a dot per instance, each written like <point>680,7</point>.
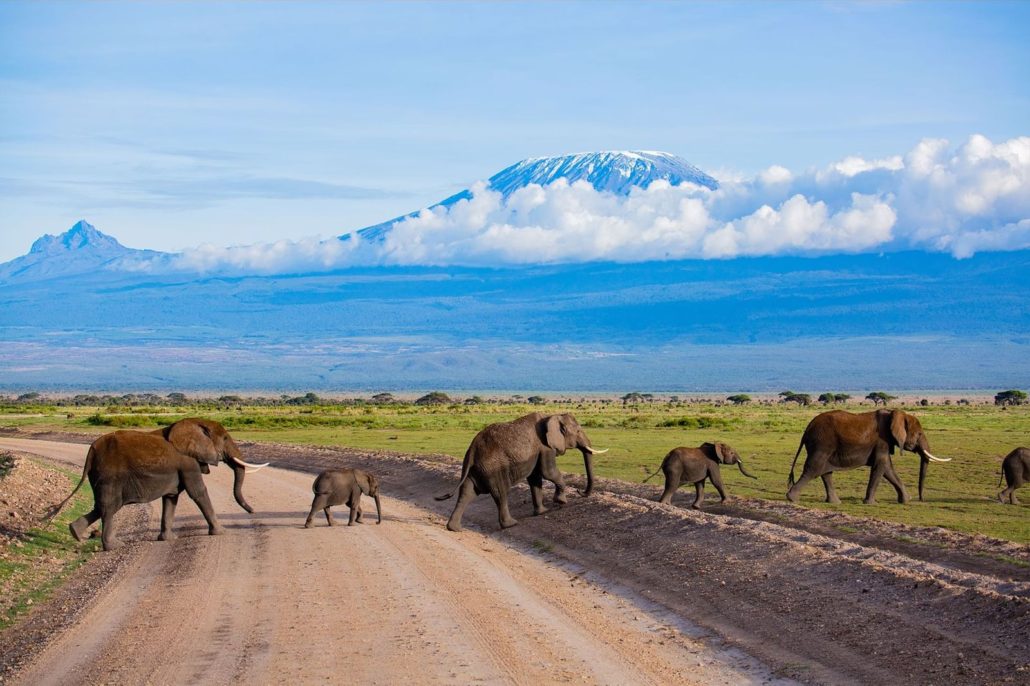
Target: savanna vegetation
<point>638,427</point>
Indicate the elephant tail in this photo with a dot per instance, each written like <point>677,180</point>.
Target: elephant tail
<point>53,511</point>
<point>790,480</point>
<point>1001,476</point>
<point>651,476</point>
<point>466,467</point>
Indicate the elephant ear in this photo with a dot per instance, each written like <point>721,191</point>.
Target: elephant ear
<point>553,435</point>
<point>898,430</point>
<point>192,438</point>
<point>373,485</point>
<point>720,451</point>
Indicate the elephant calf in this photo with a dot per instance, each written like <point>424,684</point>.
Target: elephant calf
<point>343,486</point>
<point>693,466</point>
<point>1016,469</point>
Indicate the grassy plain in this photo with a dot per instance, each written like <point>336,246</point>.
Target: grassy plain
<point>960,495</point>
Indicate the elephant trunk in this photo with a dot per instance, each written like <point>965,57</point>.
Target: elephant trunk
<point>239,471</point>
<point>922,474</point>
<point>740,466</point>
<point>588,462</point>
<point>379,509</point>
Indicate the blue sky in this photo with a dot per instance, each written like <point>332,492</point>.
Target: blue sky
<point>170,125</point>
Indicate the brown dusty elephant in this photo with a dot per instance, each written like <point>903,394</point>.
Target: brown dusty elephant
<point>845,440</point>
<point>126,467</point>
<point>1016,470</point>
<point>343,486</point>
<point>693,466</point>
<point>526,448</point>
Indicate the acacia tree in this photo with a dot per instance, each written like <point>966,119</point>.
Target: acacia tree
<point>880,398</point>
<point>739,399</point>
<point>1010,397</point>
<point>799,398</point>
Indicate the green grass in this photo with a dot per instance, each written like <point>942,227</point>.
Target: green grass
<point>32,583</point>
<point>960,495</point>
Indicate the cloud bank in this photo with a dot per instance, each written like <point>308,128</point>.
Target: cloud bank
<point>937,197</point>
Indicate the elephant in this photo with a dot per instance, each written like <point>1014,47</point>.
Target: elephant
<point>126,467</point>
<point>1016,470</point>
<point>340,486</point>
<point>693,466</point>
<point>845,440</point>
<point>525,448</point>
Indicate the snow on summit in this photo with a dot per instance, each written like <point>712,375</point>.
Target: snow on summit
<point>612,171</point>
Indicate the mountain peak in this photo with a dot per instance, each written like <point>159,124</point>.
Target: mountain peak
<point>614,171</point>
<point>81,236</point>
<point>611,171</point>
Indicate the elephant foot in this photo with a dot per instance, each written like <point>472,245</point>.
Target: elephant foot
<point>454,526</point>
<point>307,525</point>
<point>78,530</point>
<point>166,536</point>
<point>112,544</point>
<point>215,531</point>
<point>561,500</point>
<point>508,523</point>
<point>869,501</point>
<point>791,497</point>
<point>903,500</point>
<point>833,501</point>
<point>542,510</point>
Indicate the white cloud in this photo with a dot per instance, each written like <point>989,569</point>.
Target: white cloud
<point>936,197</point>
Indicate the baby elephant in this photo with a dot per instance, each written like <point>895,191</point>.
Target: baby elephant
<point>1016,468</point>
<point>343,486</point>
<point>693,466</point>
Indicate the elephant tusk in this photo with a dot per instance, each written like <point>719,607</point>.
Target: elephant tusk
<point>597,452</point>
<point>931,458</point>
<point>249,467</point>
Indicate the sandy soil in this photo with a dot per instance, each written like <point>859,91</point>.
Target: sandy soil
<point>614,588</point>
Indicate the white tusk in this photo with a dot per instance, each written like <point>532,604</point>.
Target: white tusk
<point>931,458</point>
<point>250,467</point>
<point>597,452</point>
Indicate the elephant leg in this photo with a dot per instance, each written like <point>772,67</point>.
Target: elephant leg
<point>355,507</point>
<point>197,491</point>
<point>1012,497</point>
<point>716,478</point>
<point>893,480</point>
<point>500,496</point>
<point>79,526</point>
<point>550,471</point>
<point>672,482</point>
<point>879,468</point>
<point>328,511</point>
<point>831,492</point>
<point>318,503</point>
<point>699,496</point>
<point>107,522</point>
<point>168,504</point>
<point>536,490</point>
<point>807,474</point>
<point>465,495</point>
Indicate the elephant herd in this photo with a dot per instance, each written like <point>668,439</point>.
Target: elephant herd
<point>127,467</point>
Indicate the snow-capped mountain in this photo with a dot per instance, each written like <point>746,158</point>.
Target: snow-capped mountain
<point>79,250</point>
<point>613,171</point>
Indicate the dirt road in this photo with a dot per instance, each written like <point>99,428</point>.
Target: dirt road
<point>405,602</point>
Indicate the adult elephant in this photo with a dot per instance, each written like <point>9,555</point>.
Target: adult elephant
<point>126,467</point>
<point>525,448</point>
<point>845,440</point>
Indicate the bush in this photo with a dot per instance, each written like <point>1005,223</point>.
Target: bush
<point>696,423</point>
<point>434,398</point>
